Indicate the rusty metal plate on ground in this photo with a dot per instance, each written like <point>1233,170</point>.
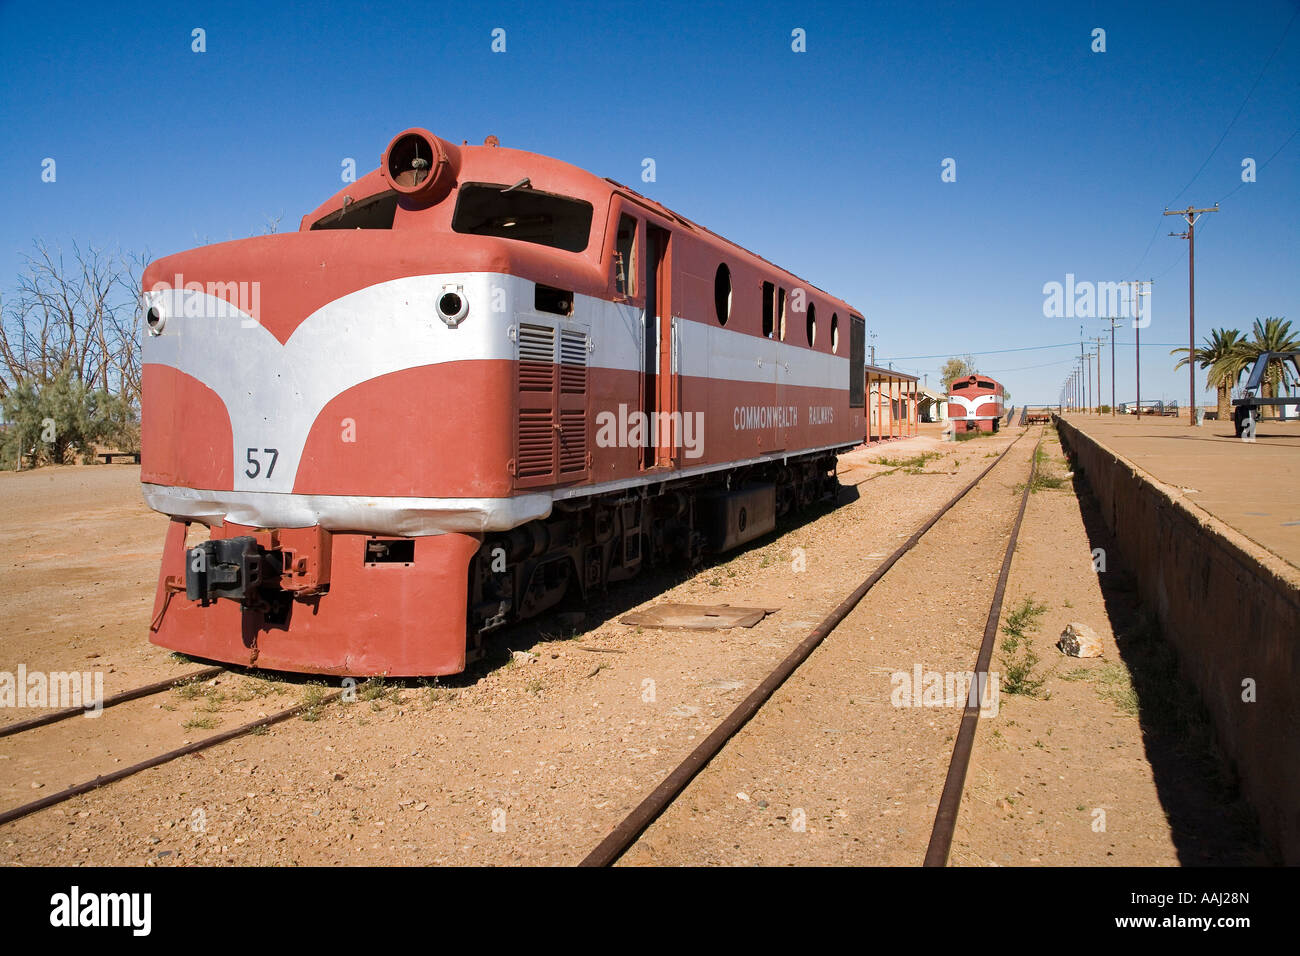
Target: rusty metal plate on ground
<point>698,617</point>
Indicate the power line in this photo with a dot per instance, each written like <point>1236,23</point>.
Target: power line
<point>1022,368</point>
<point>1028,348</point>
<point>1237,115</point>
<point>1150,243</point>
<point>1183,255</point>
<point>1261,166</point>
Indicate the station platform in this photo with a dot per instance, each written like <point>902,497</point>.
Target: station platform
<point>1254,487</point>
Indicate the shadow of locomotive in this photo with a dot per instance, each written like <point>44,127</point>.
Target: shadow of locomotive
<point>555,625</point>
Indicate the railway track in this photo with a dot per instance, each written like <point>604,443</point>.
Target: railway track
<point>630,829</point>
<point>146,690</point>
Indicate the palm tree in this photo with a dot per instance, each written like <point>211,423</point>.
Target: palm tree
<point>1272,335</point>
<point>1222,353</point>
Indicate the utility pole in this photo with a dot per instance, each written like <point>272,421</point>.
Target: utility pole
<point>1099,340</point>
<point>1191,215</point>
<point>873,348</point>
<point>1137,336</point>
<point>1087,384</point>
<point>1112,319</point>
<point>1082,363</point>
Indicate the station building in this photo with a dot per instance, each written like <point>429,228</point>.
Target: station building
<point>891,404</point>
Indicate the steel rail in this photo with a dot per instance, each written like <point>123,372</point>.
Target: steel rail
<point>621,838</point>
<point>945,818</point>
<point>26,809</point>
<point>54,716</point>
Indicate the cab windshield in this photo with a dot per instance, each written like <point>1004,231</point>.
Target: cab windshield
<point>523,213</point>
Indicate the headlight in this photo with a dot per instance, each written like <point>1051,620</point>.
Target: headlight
<point>452,305</point>
<point>420,166</point>
<point>155,319</point>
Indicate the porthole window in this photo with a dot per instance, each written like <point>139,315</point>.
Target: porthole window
<point>722,293</point>
<point>812,325</point>
<point>835,332</point>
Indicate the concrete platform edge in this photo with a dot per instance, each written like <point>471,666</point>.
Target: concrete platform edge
<point>1232,611</point>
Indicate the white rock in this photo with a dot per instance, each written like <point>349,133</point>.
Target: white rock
<point>1079,640</point>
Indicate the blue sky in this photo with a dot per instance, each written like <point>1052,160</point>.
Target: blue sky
<point>827,162</point>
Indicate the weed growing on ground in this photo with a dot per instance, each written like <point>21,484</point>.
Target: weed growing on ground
<point>376,689</point>
<point>1041,477</point>
<point>255,690</point>
<point>913,466</point>
<point>313,698</point>
<point>1019,659</point>
<point>1117,687</point>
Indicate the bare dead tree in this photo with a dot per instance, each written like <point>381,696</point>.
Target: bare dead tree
<point>126,327</point>
<point>80,314</point>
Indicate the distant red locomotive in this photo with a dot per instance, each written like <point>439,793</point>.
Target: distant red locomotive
<point>975,404</point>
<point>473,381</point>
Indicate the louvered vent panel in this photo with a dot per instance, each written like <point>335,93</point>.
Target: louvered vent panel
<point>573,402</point>
<point>536,456</point>
<point>573,441</point>
<point>573,359</point>
<point>536,357</point>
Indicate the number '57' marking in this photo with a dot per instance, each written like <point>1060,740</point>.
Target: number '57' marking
<point>255,466</point>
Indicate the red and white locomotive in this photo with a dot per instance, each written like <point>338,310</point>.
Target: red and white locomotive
<point>975,404</point>
<point>474,380</point>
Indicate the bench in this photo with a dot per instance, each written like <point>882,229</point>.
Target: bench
<point>108,456</point>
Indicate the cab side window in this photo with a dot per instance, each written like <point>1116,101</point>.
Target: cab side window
<point>625,256</point>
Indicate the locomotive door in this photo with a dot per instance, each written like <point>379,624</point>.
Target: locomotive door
<point>781,376</point>
<point>659,378</point>
<point>776,373</point>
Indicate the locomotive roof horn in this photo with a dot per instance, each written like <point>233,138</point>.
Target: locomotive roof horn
<point>419,165</point>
